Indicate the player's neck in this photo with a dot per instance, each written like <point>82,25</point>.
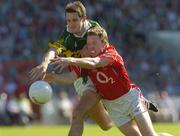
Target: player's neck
<point>103,48</point>
<point>107,45</point>
<point>84,29</point>
<point>80,33</point>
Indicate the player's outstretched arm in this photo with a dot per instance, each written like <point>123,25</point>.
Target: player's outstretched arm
<point>65,78</point>
<point>39,71</point>
<point>89,63</point>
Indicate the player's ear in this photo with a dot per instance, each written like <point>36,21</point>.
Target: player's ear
<point>84,18</point>
<point>102,41</point>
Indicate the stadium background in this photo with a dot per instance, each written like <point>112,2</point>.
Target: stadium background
<point>145,33</point>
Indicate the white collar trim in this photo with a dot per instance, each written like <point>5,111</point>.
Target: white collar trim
<point>87,25</point>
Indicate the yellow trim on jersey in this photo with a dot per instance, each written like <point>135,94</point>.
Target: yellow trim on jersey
<point>69,53</point>
<point>59,48</point>
<point>62,50</point>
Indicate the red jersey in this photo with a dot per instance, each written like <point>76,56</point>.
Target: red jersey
<point>111,81</point>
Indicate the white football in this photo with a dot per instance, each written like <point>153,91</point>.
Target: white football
<point>40,92</point>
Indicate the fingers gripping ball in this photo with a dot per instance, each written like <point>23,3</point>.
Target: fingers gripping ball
<point>40,92</point>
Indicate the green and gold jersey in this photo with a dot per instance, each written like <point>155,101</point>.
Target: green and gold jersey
<point>70,45</point>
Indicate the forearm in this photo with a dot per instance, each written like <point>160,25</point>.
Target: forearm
<point>89,63</point>
<point>66,78</point>
<point>62,79</point>
<point>85,62</point>
<point>48,56</point>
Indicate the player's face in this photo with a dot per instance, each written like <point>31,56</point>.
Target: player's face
<point>94,45</point>
<point>74,23</point>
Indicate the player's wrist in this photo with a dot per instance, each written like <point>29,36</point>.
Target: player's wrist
<point>44,66</point>
<point>71,61</point>
<point>66,61</point>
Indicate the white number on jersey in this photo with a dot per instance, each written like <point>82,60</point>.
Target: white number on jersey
<point>105,79</point>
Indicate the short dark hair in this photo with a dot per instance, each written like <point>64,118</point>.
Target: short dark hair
<point>76,7</point>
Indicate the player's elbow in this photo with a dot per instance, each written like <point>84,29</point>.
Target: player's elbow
<point>66,82</point>
<point>70,82</point>
<point>107,126</point>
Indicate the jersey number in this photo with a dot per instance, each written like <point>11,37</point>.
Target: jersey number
<point>105,79</point>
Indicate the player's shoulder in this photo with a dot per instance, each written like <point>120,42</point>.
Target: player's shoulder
<point>110,51</point>
<point>93,23</point>
<point>66,33</point>
<point>88,24</point>
<point>63,36</point>
<point>110,48</point>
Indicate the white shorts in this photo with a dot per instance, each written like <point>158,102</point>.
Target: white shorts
<point>80,87</point>
<point>126,107</point>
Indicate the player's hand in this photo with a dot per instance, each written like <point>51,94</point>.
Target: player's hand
<point>59,63</point>
<point>37,73</point>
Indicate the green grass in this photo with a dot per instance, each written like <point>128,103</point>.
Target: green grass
<point>90,130</point>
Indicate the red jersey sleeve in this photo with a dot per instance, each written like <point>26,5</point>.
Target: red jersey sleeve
<point>79,71</point>
<point>76,69</point>
<point>110,52</point>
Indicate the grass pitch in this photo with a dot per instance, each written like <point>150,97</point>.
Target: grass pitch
<point>90,130</point>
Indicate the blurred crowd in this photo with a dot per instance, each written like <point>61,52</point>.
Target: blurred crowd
<point>26,27</point>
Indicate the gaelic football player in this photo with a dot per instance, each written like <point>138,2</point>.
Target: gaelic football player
<point>70,45</point>
<point>122,99</point>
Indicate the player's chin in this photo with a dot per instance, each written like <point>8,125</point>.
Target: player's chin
<point>73,30</point>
